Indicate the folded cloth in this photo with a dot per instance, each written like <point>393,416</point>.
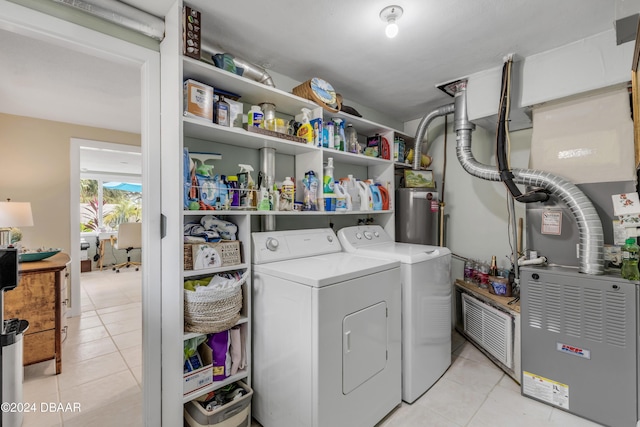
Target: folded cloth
<point>227,230</point>
<point>196,229</point>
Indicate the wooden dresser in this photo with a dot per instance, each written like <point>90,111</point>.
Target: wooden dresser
<point>41,298</point>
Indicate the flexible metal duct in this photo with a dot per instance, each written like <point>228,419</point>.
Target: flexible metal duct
<point>422,132</point>
<point>251,71</point>
<point>121,14</point>
<point>587,219</point>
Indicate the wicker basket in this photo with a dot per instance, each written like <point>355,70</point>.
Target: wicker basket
<point>320,92</point>
<point>215,310</point>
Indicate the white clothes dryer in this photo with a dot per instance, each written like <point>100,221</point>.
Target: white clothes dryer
<point>426,303</point>
<point>326,332</point>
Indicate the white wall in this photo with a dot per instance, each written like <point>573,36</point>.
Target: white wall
<point>476,210</point>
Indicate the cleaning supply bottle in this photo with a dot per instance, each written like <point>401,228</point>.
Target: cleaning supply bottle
<point>339,137</point>
<point>343,201</point>
<point>366,201</point>
<point>255,116</point>
<point>221,112</point>
<point>234,191</point>
<point>287,197</point>
<point>630,251</point>
<point>330,135</point>
<point>351,139</point>
<point>264,203</point>
<point>328,177</point>
<point>245,181</point>
<point>311,185</point>
<point>376,197</point>
<point>351,185</point>
<point>306,130</point>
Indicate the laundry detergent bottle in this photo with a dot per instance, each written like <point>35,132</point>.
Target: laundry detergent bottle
<point>366,199</point>
<point>376,197</point>
<point>343,199</point>
<point>328,177</point>
<point>350,184</point>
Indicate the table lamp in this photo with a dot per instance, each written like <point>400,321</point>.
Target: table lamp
<point>13,214</point>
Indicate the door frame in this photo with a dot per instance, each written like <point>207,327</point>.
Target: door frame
<point>30,23</point>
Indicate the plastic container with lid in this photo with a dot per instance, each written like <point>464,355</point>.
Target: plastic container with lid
<point>234,190</point>
<point>255,116</point>
<point>351,139</point>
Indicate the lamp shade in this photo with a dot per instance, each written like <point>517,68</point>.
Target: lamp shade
<point>15,214</point>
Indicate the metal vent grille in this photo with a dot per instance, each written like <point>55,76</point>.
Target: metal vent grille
<point>599,315</point>
<point>489,327</point>
<point>553,296</point>
<point>572,311</point>
<point>536,304</point>
<point>593,314</point>
<point>616,313</point>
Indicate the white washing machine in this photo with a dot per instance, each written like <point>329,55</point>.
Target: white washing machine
<point>326,332</point>
<point>426,303</point>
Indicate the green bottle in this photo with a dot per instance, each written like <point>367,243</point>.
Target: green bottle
<point>630,260</point>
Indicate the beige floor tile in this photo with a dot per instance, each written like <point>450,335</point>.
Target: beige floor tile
<point>415,416</point>
<point>42,419</point>
<point>128,410</point>
<point>40,388</point>
<point>503,407</point>
<point>119,328</point>
<point>101,393</point>
<point>137,372</point>
<point>86,335</point>
<point>439,398</point>
<point>132,355</point>
<point>133,315</point>
<point>476,376</point>
<point>110,302</point>
<point>471,352</point>
<point>560,418</point>
<point>120,308</point>
<point>510,384</point>
<point>39,370</point>
<point>128,339</point>
<point>89,370</point>
<point>81,322</point>
<point>88,350</point>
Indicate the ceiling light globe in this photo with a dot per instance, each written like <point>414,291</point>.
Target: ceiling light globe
<point>392,29</point>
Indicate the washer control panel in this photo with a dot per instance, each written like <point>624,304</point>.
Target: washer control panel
<point>271,246</point>
<point>363,235</point>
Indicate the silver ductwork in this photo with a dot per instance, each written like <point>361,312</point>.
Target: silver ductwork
<point>251,71</point>
<point>121,14</point>
<point>587,219</point>
<point>421,133</point>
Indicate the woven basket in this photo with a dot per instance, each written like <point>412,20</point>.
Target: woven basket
<point>320,92</point>
<point>211,311</point>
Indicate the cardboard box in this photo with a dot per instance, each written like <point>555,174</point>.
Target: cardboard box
<point>198,100</point>
<point>200,378</point>
<point>224,253</point>
<point>191,34</point>
<point>85,265</point>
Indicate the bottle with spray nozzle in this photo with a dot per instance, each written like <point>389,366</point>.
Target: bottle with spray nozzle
<point>247,187</point>
<point>306,130</point>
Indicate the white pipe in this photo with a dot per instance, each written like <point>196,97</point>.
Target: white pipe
<point>536,261</point>
<point>121,14</point>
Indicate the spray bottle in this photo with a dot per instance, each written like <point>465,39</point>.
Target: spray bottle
<point>311,185</point>
<point>245,182</point>
<point>327,180</point>
<point>306,130</point>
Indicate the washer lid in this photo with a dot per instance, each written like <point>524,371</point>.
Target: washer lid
<point>406,253</point>
<point>324,270</point>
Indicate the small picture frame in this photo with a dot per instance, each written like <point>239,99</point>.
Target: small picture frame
<point>418,179</point>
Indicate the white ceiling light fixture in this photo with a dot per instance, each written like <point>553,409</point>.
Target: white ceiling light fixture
<point>390,15</point>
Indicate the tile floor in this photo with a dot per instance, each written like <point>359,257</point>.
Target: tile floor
<point>102,371</point>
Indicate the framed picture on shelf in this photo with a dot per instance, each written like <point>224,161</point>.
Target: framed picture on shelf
<point>418,179</point>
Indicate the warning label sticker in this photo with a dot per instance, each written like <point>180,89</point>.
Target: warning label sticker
<point>546,390</point>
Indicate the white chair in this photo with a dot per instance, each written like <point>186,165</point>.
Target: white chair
<point>129,238</point>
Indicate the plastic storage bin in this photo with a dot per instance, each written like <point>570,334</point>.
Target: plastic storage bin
<point>233,414</point>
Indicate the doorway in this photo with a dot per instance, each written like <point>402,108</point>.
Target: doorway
<point>31,24</point>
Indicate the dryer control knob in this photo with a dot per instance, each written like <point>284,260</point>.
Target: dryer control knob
<point>367,235</point>
<point>330,239</point>
<point>358,236</point>
<point>272,243</point>
<point>375,233</point>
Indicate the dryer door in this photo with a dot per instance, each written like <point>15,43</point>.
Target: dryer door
<point>364,345</point>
